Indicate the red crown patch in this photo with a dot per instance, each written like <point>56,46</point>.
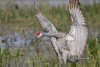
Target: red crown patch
<point>38,33</point>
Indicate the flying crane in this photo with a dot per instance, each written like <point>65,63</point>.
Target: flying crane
<point>72,46</point>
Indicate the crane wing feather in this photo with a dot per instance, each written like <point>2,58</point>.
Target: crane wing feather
<point>45,23</point>
<point>78,31</point>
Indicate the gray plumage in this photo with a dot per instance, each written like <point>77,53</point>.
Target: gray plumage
<point>70,47</point>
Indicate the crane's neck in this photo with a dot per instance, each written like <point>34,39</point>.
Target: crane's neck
<point>54,34</point>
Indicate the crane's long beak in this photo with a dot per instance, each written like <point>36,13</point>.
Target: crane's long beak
<point>35,38</point>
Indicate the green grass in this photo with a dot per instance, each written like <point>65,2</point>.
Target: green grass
<point>23,18</point>
<point>59,16</point>
<point>48,58</point>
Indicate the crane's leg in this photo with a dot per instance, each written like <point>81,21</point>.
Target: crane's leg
<point>60,60</point>
<point>65,55</point>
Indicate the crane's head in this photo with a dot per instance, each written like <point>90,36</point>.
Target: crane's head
<point>38,34</point>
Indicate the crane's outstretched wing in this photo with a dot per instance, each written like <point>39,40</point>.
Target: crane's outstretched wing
<point>45,23</point>
<point>78,35</point>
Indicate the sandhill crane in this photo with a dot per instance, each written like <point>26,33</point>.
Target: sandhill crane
<point>72,46</point>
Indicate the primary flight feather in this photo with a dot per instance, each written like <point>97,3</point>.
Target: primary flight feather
<point>79,29</point>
